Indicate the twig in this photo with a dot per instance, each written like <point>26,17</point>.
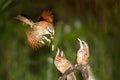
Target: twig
<point>82,68</point>
<point>67,72</point>
<point>84,71</point>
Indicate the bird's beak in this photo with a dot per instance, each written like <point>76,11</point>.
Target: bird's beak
<point>52,35</point>
<point>83,44</point>
<point>60,53</point>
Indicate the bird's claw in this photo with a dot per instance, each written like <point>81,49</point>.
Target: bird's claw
<point>45,39</point>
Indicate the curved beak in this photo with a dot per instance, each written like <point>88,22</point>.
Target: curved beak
<point>60,53</point>
<point>83,44</point>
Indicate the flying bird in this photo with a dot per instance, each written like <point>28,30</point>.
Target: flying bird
<point>41,32</point>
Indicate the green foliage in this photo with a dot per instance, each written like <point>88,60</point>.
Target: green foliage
<point>4,4</point>
<point>98,26</point>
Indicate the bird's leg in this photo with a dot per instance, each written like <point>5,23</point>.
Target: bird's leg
<point>45,39</point>
<point>42,42</point>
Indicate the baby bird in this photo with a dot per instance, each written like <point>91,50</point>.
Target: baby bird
<point>82,58</point>
<point>41,32</point>
<point>62,64</point>
<point>83,53</point>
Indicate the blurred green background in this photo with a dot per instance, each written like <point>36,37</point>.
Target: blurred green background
<point>95,21</point>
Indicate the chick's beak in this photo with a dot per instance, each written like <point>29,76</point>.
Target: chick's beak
<point>60,53</point>
<point>83,44</point>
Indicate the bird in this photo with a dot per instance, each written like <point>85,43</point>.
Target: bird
<point>83,53</point>
<point>63,64</point>
<point>83,59</point>
<point>41,32</point>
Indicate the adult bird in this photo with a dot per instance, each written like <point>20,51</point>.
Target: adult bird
<point>41,32</point>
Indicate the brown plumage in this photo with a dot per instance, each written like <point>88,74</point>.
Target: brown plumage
<point>41,32</point>
<point>46,16</point>
<point>82,59</point>
<point>83,53</point>
<point>62,64</point>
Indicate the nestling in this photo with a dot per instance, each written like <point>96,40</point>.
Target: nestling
<point>62,64</point>
<point>82,53</point>
<point>82,59</point>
